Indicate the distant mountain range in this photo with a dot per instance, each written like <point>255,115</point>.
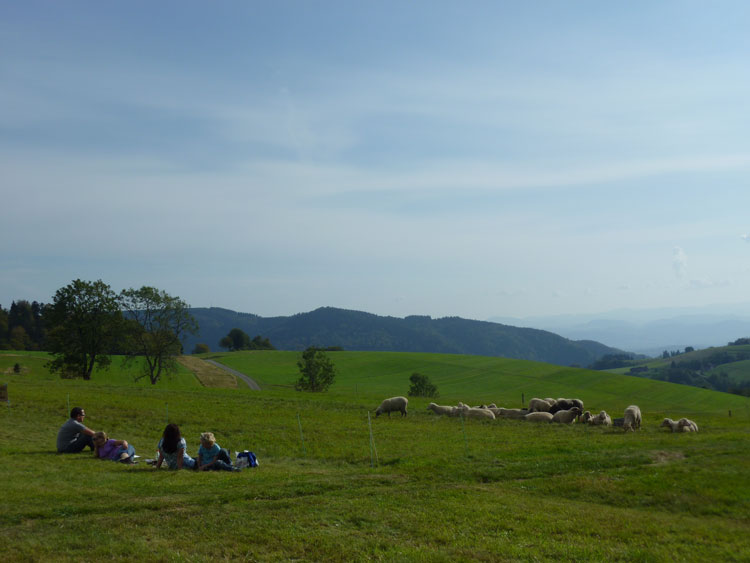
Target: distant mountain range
<point>355,330</point>
<point>649,331</point>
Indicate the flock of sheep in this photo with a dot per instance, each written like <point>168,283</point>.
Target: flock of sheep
<point>564,411</point>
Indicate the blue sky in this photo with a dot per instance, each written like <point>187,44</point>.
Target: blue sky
<point>475,159</point>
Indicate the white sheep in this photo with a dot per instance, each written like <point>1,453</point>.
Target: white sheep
<point>538,405</point>
<point>586,417</point>
<point>479,413</point>
<point>472,412</point>
<point>682,425</point>
<point>632,418</point>
<point>688,425</point>
<point>440,409</point>
<point>602,419</point>
<point>509,413</point>
<point>392,405</point>
<point>539,416</point>
<point>566,416</point>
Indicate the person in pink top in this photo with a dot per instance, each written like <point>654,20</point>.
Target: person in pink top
<point>116,450</point>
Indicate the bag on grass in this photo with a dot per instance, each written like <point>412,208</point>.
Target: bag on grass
<point>246,459</point>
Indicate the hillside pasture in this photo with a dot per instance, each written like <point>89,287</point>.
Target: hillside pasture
<point>432,488</point>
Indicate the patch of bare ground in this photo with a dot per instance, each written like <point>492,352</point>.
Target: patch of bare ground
<point>661,457</point>
<point>208,375</point>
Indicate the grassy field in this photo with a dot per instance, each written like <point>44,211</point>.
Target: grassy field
<point>431,489</point>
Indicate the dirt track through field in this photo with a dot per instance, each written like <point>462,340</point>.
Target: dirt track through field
<point>250,382</point>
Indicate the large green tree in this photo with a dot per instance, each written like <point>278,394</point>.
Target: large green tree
<point>317,371</point>
<point>156,323</point>
<point>236,340</point>
<point>84,322</point>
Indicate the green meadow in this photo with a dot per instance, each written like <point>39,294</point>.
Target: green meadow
<point>337,484</point>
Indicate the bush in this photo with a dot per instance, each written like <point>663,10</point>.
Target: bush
<point>421,386</point>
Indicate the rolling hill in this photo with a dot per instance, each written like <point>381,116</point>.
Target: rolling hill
<point>356,330</point>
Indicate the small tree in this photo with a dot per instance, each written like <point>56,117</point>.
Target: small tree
<point>156,323</point>
<point>85,322</point>
<point>421,386</point>
<point>201,348</point>
<point>317,371</point>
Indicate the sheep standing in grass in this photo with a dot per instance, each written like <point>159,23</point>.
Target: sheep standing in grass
<point>539,416</point>
<point>392,405</point>
<point>538,405</point>
<point>440,409</point>
<point>602,419</point>
<point>566,416</point>
<point>632,418</point>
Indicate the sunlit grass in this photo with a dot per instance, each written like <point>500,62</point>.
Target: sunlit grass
<point>433,488</point>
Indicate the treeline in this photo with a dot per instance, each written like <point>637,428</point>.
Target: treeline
<point>22,327</point>
<point>702,372</point>
<point>87,322</point>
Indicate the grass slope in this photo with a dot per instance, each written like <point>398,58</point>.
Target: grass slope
<point>432,489</point>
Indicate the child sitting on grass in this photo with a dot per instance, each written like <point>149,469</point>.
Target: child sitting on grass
<point>116,450</point>
<point>211,456</point>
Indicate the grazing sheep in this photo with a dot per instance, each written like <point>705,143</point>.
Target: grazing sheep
<point>538,405</point>
<point>682,425</point>
<point>632,418</point>
<point>538,416</point>
<point>586,417</point>
<point>509,413</point>
<point>688,425</point>
<point>602,419</point>
<point>440,409</point>
<point>566,416</point>
<point>392,405</point>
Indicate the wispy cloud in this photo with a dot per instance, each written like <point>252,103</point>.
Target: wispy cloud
<point>679,262</point>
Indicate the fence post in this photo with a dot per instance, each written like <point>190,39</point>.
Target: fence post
<point>373,449</point>
<point>463,429</point>
<point>301,436</point>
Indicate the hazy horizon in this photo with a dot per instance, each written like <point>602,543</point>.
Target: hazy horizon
<point>434,158</point>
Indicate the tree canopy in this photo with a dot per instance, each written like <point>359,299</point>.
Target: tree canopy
<point>317,372</point>
<point>156,322</point>
<point>84,323</point>
<point>237,340</point>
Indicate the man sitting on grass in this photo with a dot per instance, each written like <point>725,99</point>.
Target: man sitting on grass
<point>73,435</point>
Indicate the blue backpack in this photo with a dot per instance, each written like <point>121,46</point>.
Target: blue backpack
<point>252,461</point>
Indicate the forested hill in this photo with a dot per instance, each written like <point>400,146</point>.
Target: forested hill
<point>355,330</point>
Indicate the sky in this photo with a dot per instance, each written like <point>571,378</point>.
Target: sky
<point>471,159</point>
